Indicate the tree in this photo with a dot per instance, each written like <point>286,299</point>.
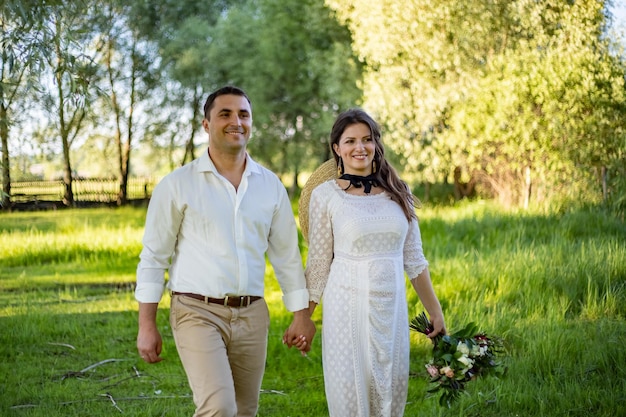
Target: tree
<point>22,50</point>
<point>545,113</point>
<point>292,58</point>
<point>72,72</point>
<point>183,33</point>
<point>187,63</point>
<point>127,61</point>
<point>302,73</point>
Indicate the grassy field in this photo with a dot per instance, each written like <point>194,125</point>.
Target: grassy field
<point>553,286</point>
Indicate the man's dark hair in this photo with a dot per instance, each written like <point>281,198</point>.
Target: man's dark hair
<point>228,89</point>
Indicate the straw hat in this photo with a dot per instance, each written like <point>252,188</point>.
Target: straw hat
<point>323,173</point>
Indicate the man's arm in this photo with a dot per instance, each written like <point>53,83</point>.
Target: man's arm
<point>284,255</point>
<point>163,221</point>
<point>149,342</point>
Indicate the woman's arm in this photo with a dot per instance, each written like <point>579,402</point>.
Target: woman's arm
<point>424,288</point>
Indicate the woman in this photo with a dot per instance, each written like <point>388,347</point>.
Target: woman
<point>363,234</point>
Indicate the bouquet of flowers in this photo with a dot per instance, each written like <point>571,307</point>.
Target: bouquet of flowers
<point>459,358</point>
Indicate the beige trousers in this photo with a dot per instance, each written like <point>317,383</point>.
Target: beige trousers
<point>223,351</point>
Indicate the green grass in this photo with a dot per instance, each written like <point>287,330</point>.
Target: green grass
<point>554,286</point>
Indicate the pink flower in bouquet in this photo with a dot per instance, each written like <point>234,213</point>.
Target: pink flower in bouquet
<point>432,370</point>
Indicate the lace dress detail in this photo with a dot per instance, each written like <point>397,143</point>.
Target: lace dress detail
<point>359,249</point>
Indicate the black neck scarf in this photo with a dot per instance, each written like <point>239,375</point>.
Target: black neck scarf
<point>359,181</point>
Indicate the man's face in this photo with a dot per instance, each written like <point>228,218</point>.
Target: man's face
<point>230,122</point>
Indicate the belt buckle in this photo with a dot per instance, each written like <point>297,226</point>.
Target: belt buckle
<point>241,300</point>
<point>226,301</point>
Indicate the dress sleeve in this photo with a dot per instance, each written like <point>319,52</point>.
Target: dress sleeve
<point>321,244</point>
<point>414,260</point>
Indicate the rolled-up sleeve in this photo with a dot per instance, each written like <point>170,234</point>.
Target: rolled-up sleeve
<point>163,221</point>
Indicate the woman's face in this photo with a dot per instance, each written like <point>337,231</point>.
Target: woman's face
<point>356,148</point>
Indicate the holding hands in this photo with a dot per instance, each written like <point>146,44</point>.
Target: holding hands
<point>301,332</point>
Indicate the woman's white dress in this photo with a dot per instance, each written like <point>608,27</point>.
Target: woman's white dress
<point>359,248</point>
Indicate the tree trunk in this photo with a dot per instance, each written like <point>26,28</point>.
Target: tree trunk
<point>118,142</point>
<point>122,197</point>
<point>462,190</point>
<point>605,187</point>
<point>195,125</point>
<point>528,187</point>
<point>189,146</point>
<point>6,171</point>
<point>64,127</point>
<point>68,195</point>
<point>294,185</point>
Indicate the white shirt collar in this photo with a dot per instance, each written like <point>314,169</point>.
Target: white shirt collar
<point>205,164</point>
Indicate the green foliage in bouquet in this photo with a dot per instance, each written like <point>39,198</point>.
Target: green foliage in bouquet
<point>458,358</point>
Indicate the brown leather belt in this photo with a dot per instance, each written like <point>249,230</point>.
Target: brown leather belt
<point>228,301</point>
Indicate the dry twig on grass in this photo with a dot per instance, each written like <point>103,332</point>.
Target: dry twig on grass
<point>110,397</point>
<point>62,344</point>
<point>77,374</point>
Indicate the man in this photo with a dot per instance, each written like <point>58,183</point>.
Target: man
<point>210,224</point>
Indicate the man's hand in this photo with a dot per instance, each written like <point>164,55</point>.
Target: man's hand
<point>149,344</point>
<point>301,332</point>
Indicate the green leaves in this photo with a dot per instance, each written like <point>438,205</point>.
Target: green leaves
<point>420,324</point>
<point>467,332</point>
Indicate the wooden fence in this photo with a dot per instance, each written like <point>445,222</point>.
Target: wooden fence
<point>89,190</point>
